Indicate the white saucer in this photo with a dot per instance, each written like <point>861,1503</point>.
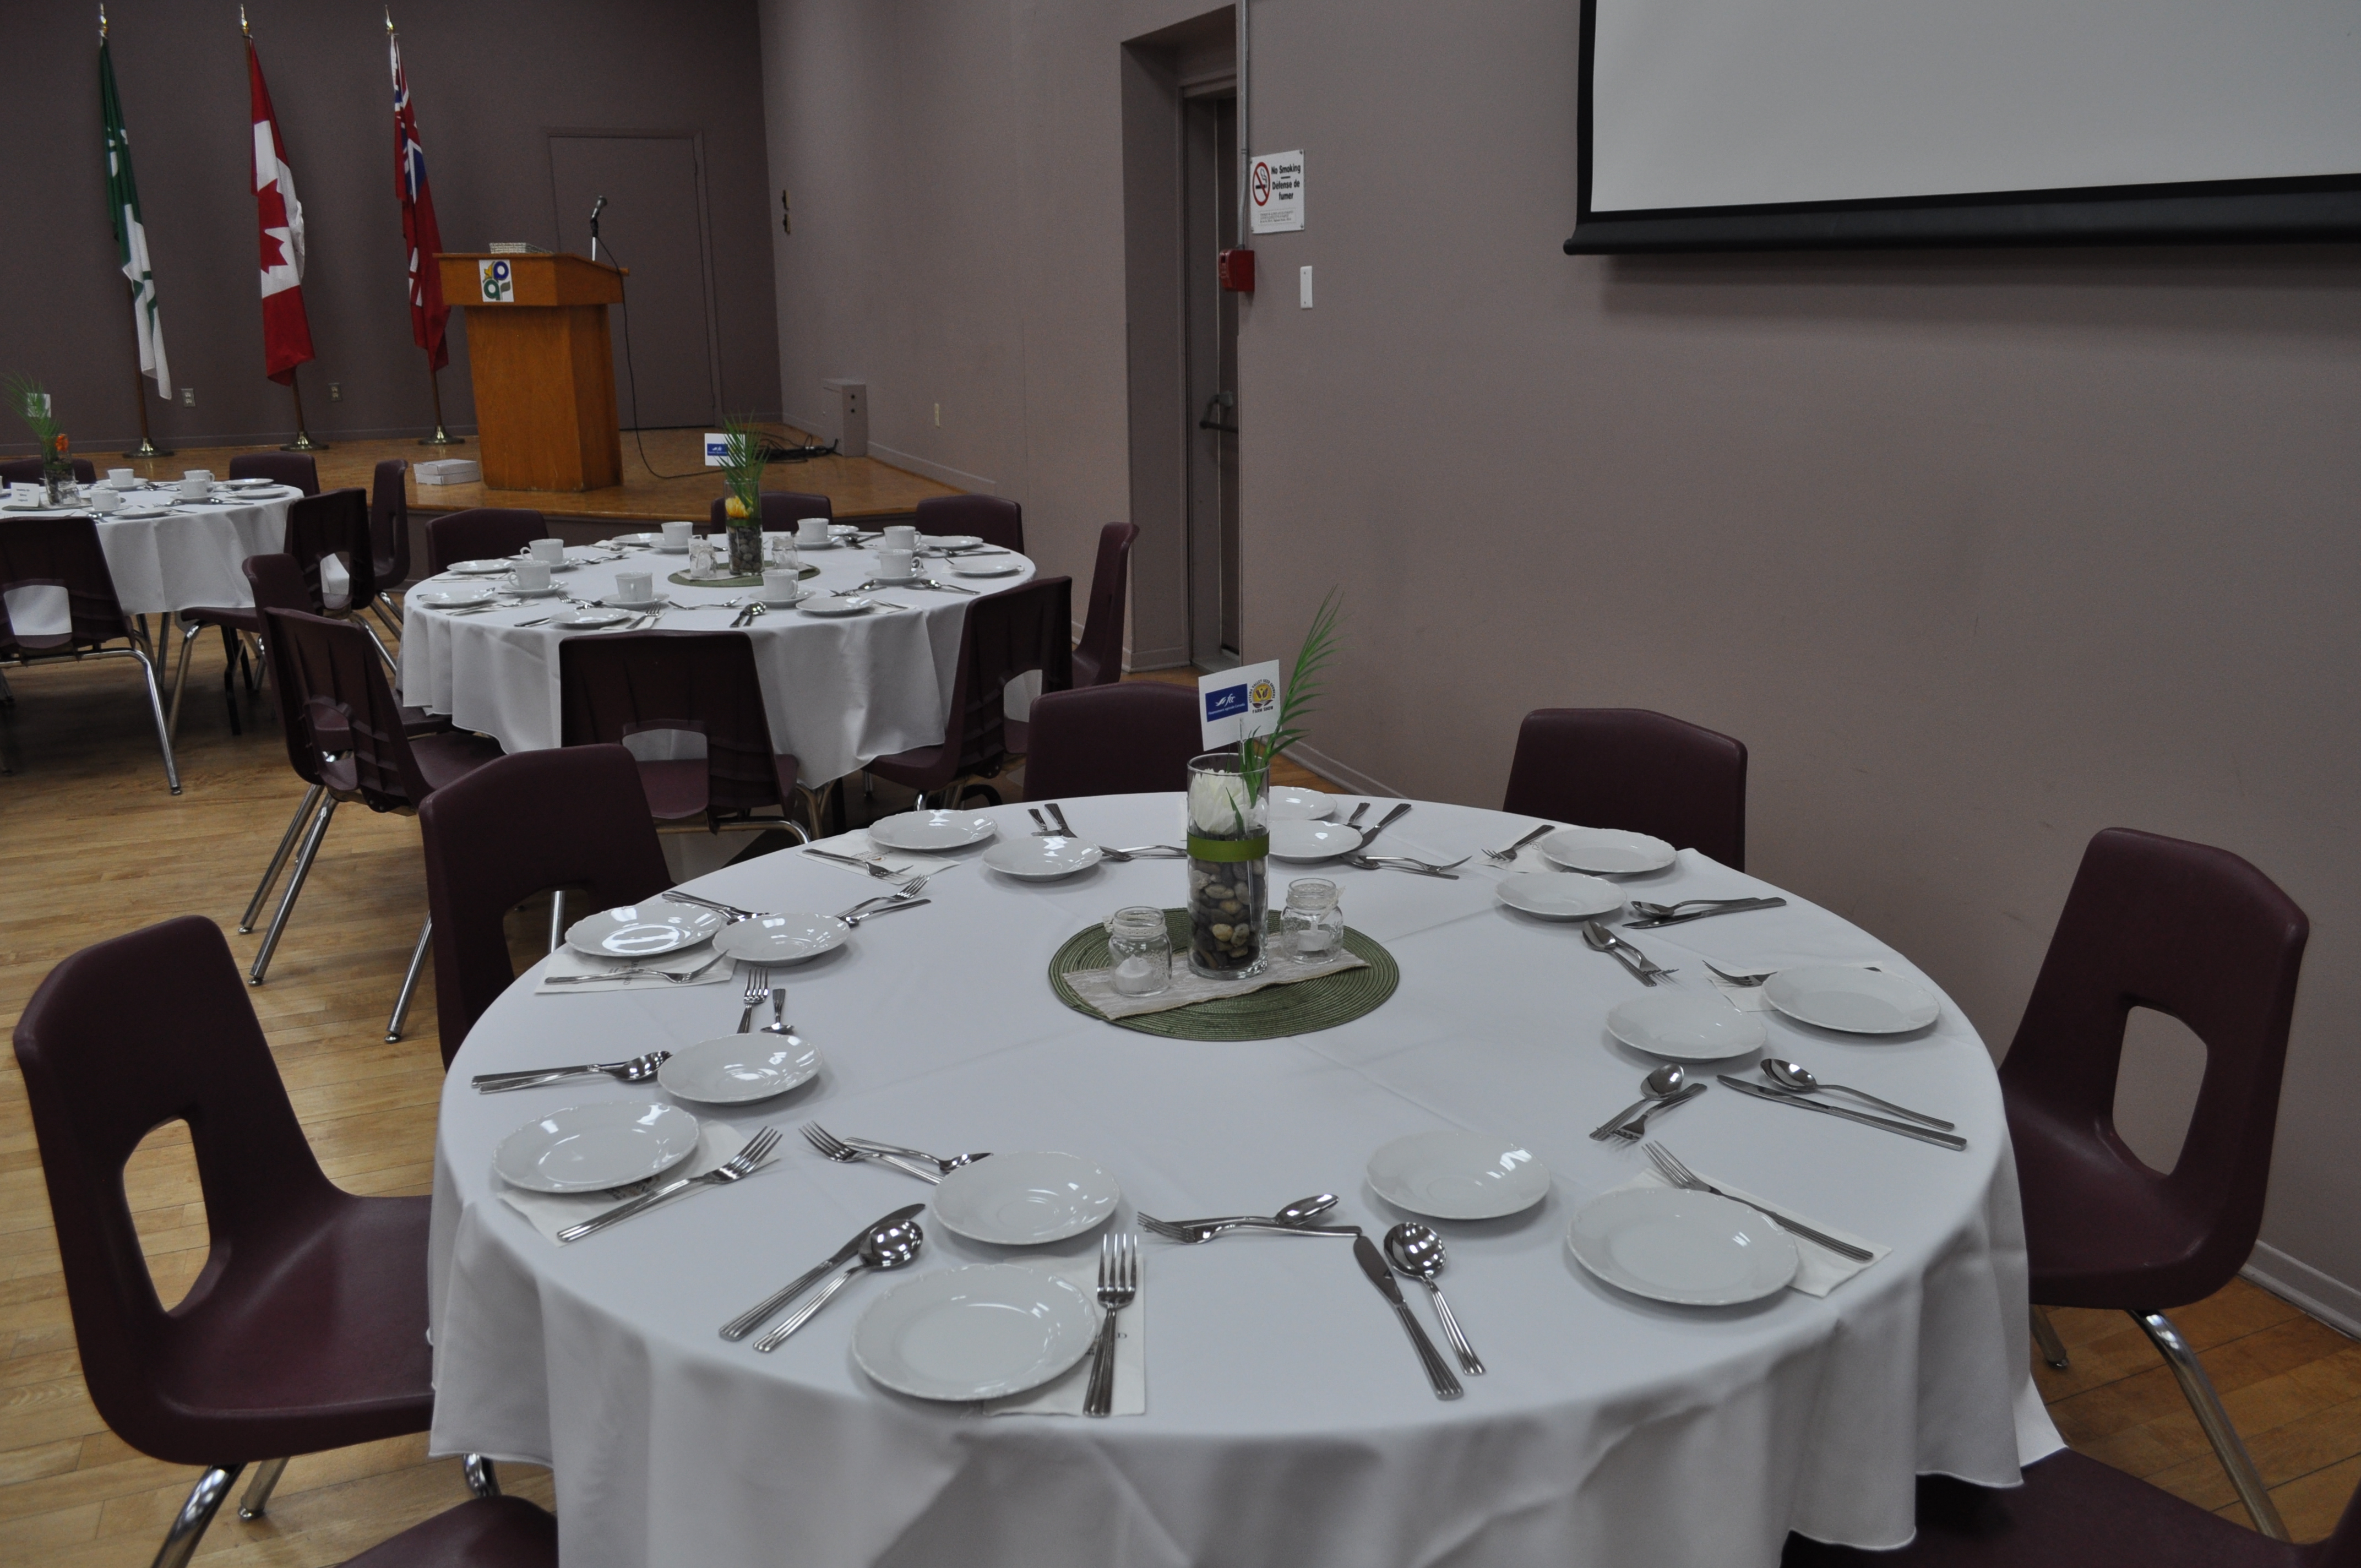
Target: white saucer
<point>1301,806</point>
<point>250,484</point>
<point>1036,859</point>
<point>1454,1174</point>
<point>642,930</point>
<point>589,619</point>
<point>948,540</point>
<point>769,603</point>
<point>979,1332</point>
<point>548,592</point>
<point>635,538</point>
<point>1856,1001</point>
<point>1304,840</point>
<point>834,604</point>
<point>986,566</point>
<point>636,605</point>
<point>464,598</point>
<point>661,548</point>
<point>479,568</point>
<point>738,1067</point>
<point>1607,851</point>
<point>1558,896</point>
<point>787,939</point>
<point>801,544</point>
<point>138,514</point>
<point>1024,1199</point>
<point>931,830</point>
<point>1686,1026</point>
<point>589,1148</point>
<point>1689,1248</point>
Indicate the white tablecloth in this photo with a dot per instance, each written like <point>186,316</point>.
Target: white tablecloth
<point>1288,1423</point>
<point>840,691</point>
<point>191,556</point>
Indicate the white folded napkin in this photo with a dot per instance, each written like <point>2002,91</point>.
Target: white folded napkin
<point>1096,986</point>
<point>718,1142</point>
<point>901,862</point>
<point>1064,1395</point>
<point>1821,1270</point>
<point>614,975</point>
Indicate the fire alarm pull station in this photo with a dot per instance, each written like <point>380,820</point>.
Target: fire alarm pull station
<point>1235,269</point>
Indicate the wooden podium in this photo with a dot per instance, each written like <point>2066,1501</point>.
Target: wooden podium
<point>544,367</point>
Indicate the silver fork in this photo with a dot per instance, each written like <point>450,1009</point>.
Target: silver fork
<point>635,1070</point>
<point>1679,1175</point>
<point>836,1149</point>
<point>758,986</point>
<point>1118,1283</point>
<point>891,906</point>
<point>745,1163</point>
<point>1502,856</point>
<point>1449,871</point>
<point>872,867</point>
<point>1192,1234</point>
<point>632,973</point>
<point>1041,829</point>
<point>1058,813</point>
<point>945,1164</point>
<point>1112,853</point>
<point>1629,957</point>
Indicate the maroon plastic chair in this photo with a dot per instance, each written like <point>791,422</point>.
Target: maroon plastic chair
<point>488,1532</point>
<point>307,1330</point>
<point>294,468</point>
<point>1098,659</point>
<point>2074,1512</point>
<point>782,510</point>
<point>2197,933</point>
<point>480,533</point>
<point>534,822</point>
<point>27,471</point>
<point>63,553</point>
<point>1125,738</point>
<point>390,534</point>
<point>1002,636</point>
<point>989,518</point>
<point>1629,767</point>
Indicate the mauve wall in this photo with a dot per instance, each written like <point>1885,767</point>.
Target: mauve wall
<point>488,80</point>
<point>1978,552</point>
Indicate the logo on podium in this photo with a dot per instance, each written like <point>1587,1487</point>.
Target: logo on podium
<point>499,282</point>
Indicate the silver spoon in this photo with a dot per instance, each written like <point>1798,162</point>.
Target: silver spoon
<point>1416,1251</point>
<point>882,1250</point>
<point>637,1070</point>
<point>778,1024</point>
<point>1303,1209</point>
<point>1661,1084</point>
<point>1797,1078</point>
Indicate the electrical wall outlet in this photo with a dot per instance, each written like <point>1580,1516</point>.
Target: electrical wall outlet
<point>188,396</point>
<point>938,416</point>
<point>336,391</point>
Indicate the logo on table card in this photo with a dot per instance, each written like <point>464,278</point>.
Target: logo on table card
<point>1262,697</point>
<point>1237,704</point>
<point>717,450</point>
<point>499,282</point>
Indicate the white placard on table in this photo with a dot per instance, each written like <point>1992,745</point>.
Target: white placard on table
<point>717,449</point>
<point>1238,703</point>
<point>497,281</point>
<point>1275,182</point>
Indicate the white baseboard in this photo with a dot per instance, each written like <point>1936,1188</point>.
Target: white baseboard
<point>941,472</point>
<point>1328,767</point>
<point>2331,1300</point>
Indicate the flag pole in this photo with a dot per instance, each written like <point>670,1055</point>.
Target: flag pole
<point>441,438</point>
<point>303,442</point>
<point>147,447</point>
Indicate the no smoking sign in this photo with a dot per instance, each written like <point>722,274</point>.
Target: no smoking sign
<point>1276,184</point>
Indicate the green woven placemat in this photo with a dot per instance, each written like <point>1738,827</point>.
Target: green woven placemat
<point>1270,1013</point>
<point>685,581</point>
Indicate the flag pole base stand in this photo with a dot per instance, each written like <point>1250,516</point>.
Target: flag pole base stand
<point>303,443</point>
<point>441,438</point>
<point>147,449</point>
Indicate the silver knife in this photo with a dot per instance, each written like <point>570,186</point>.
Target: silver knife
<point>1923,1135</point>
<point>1390,818</point>
<point>1735,906</point>
<point>1446,1383</point>
<point>745,1324</point>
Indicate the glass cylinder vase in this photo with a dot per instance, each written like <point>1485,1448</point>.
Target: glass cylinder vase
<point>745,547</point>
<point>1229,869</point>
<point>58,480</point>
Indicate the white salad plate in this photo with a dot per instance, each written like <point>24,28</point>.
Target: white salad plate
<point>459,598</point>
<point>834,604</point>
<point>250,484</point>
<point>1856,1001</point>
<point>636,605</point>
<point>1304,840</point>
<point>1686,1026</point>
<point>636,539</point>
<point>642,930</point>
<point>736,1069</point>
<point>787,939</point>
<point>986,565</point>
<point>479,568</point>
<point>1692,1249</point>
<point>1454,1174</point>
<point>1301,806</point>
<point>949,540</point>
<point>1024,1199</point>
<point>1558,896</point>
<point>980,1332</point>
<point>931,830</point>
<point>589,618</point>
<point>1609,851</point>
<point>1040,860</point>
<point>138,514</point>
<point>524,593</point>
<point>589,1148</point>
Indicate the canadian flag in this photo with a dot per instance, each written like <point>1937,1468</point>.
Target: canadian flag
<point>286,331</point>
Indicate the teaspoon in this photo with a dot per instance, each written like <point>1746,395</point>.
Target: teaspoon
<point>1661,1084</point>
<point>1416,1251</point>
<point>1797,1078</point>
<point>886,1249</point>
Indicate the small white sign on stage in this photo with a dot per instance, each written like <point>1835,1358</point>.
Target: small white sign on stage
<point>1275,183</point>
<point>497,281</point>
<point>1237,704</point>
<point>717,449</point>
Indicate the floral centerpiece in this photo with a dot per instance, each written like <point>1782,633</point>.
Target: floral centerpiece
<point>57,468</point>
<point>746,451</point>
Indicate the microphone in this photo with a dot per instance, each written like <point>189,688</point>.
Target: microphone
<point>599,207</point>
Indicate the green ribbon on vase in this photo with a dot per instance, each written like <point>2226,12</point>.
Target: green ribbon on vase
<point>1229,850</point>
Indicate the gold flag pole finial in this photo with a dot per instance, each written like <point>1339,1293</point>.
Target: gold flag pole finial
<point>102,21</point>
<point>242,28</point>
<point>389,21</point>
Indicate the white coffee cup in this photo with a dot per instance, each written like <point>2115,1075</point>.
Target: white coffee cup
<point>532,576</point>
<point>811,532</point>
<point>550,549</point>
<point>903,536</point>
<point>675,535</point>
<point>125,478</point>
<point>635,587</point>
<point>782,584</point>
<point>102,499</point>
<point>196,487</point>
<point>896,565</point>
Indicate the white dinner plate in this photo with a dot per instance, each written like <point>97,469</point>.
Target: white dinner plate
<point>1301,840</point>
<point>589,1148</point>
<point>479,568</point>
<point>1856,1001</point>
<point>834,604</point>
<point>1558,896</point>
<point>642,930</point>
<point>1607,851</point>
<point>948,540</point>
<point>1686,1026</point>
<point>738,1067</point>
<point>979,1332</point>
<point>635,605</point>
<point>931,830</point>
<point>636,539</point>
<point>1454,1174</point>
<point>525,593</point>
<point>1024,1199</point>
<point>786,939</point>
<point>1301,806</point>
<point>1689,1248</point>
<point>986,565</point>
<point>138,514</point>
<point>251,484</point>
<point>1041,859</point>
<point>461,598</point>
<point>589,618</point>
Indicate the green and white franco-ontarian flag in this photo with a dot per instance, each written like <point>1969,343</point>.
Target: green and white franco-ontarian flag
<point>130,235</point>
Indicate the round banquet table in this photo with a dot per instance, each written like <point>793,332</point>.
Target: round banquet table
<point>189,557</point>
<point>839,690</point>
<point>1287,1422</point>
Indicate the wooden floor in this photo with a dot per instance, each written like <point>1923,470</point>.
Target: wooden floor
<point>857,487</point>
<point>91,845</point>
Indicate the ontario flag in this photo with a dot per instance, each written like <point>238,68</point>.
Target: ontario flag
<point>428,313</point>
<point>286,331</point>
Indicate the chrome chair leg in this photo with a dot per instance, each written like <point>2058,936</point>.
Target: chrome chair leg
<point>482,1479</point>
<point>180,680</point>
<point>286,843</point>
<point>258,1489</point>
<point>155,710</point>
<point>409,982</point>
<point>392,666</point>
<point>2198,1389</point>
<point>188,1526</point>
<point>556,918</point>
<point>2045,1339</point>
<point>294,888</point>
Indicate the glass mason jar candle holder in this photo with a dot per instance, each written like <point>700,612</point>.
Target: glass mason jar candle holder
<point>1312,927</point>
<point>1139,951</point>
<point>1229,870</point>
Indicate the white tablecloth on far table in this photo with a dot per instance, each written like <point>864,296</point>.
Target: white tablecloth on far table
<point>840,691</point>
<point>190,557</point>
<point>1288,1424</point>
